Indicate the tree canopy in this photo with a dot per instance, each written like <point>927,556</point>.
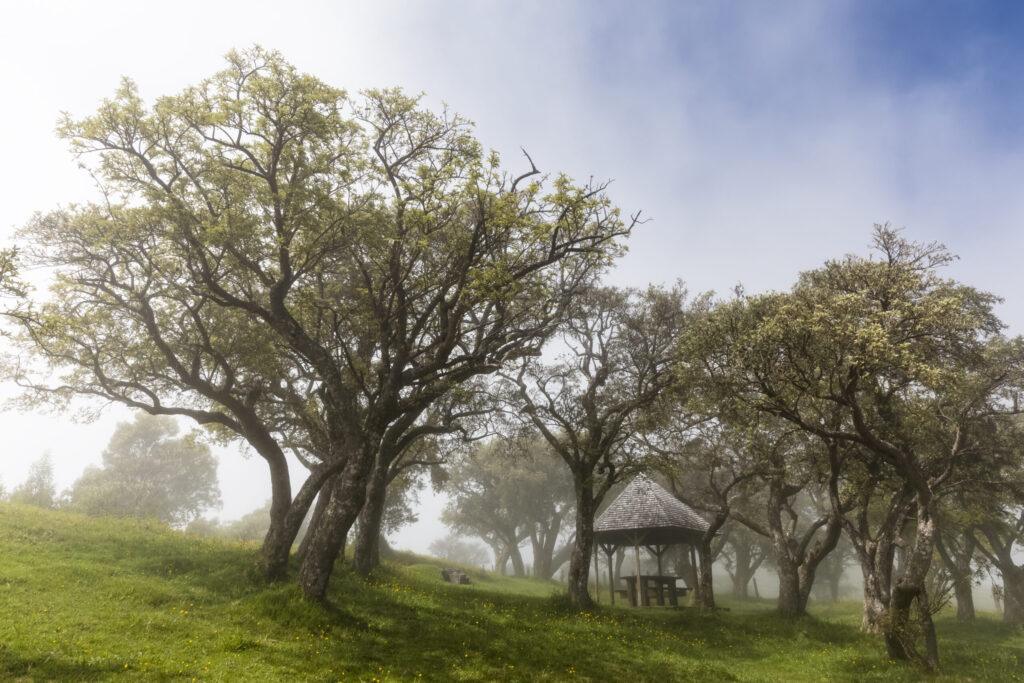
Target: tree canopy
<point>593,401</point>
<point>883,359</point>
<point>305,270</point>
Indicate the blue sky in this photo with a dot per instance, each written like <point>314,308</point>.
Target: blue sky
<point>904,44</point>
<point>760,138</point>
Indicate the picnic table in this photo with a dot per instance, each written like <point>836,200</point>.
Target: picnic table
<point>652,586</point>
<point>454,576</point>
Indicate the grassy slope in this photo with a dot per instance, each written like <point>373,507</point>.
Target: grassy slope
<point>91,599</point>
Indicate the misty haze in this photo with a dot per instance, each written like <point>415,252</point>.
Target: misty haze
<point>477,341</point>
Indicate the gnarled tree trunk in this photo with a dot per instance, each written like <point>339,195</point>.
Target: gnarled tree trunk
<point>277,543</point>
<point>1013,596</point>
<point>684,566</point>
<point>322,500</point>
<point>366,553</point>
<point>579,560</point>
<point>286,517</point>
<point>876,553</point>
<point>910,590</point>
<point>876,598</point>
<point>789,603</point>
<point>328,538</point>
<point>704,594</point>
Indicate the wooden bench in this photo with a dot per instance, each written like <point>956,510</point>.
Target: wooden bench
<point>455,576</point>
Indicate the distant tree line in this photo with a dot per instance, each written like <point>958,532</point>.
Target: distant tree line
<point>510,492</point>
<point>147,472</point>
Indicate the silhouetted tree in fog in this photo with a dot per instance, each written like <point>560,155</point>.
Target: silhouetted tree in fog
<point>148,471</point>
<point>38,488</point>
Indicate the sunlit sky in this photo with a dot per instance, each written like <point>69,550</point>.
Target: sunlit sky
<point>760,138</point>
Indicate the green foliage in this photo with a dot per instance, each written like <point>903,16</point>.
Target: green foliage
<point>88,599</point>
<point>618,349</point>
<point>262,202</point>
<point>11,284</point>
<point>903,374</point>
<point>506,485</point>
<point>888,321</point>
<point>147,472</point>
<point>880,354</point>
<point>301,269</point>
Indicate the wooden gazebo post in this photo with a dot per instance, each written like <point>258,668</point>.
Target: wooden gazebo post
<point>609,550</point>
<point>639,590</point>
<point>658,551</point>
<point>611,575</point>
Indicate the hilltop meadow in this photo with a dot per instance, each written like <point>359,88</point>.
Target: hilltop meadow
<point>355,289</point>
<point>95,599</point>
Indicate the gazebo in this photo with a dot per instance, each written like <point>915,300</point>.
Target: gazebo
<point>647,515</point>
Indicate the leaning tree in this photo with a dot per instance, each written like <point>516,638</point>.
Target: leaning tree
<point>304,271</point>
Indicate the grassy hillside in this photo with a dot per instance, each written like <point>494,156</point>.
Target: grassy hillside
<point>90,599</point>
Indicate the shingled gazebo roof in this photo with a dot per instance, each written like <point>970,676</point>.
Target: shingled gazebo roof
<point>645,513</point>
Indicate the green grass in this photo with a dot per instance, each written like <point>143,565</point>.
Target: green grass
<point>93,599</point>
